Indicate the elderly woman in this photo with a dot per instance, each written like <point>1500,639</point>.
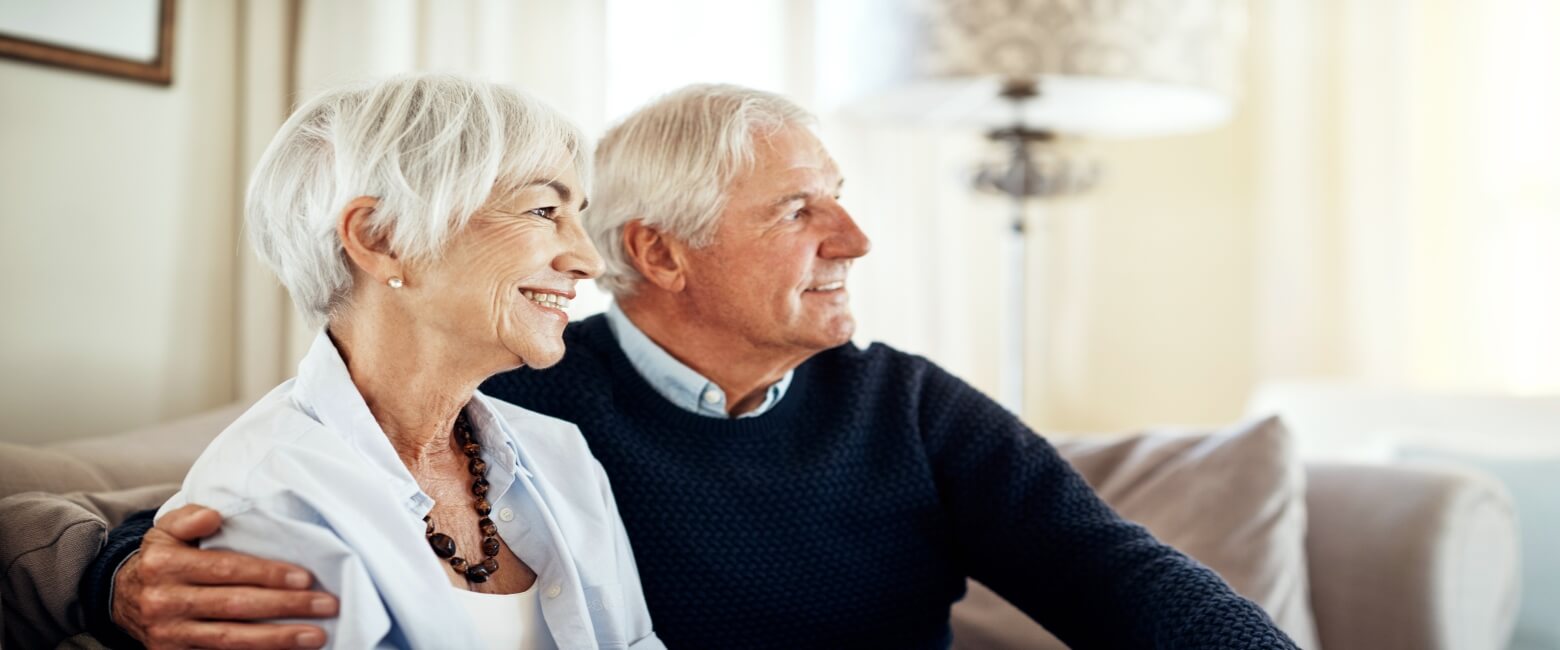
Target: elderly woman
<point>431,224</point>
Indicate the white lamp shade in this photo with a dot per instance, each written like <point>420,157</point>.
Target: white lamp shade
<point>1124,68</point>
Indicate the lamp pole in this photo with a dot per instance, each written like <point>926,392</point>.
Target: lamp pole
<point>1021,178</point>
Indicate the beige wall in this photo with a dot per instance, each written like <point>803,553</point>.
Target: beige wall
<point>1141,295</point>
<point>117,238</point>
<point>1151,288</point>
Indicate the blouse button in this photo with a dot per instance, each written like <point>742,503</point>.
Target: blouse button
<point>553,591</point>
<point>506,514</point>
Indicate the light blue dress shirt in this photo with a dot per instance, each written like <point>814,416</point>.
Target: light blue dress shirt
<point>675,381</point>
<point>307,476</point>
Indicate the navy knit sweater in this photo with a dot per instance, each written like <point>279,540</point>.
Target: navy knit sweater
<point>850,514</point>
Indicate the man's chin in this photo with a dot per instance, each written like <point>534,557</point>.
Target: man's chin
<point>835,333</point>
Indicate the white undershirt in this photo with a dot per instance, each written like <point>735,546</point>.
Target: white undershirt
<point>507,621</point>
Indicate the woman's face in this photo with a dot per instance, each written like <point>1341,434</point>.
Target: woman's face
<point>499,286</point>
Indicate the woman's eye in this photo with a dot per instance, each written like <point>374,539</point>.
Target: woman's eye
<point>545,213</point>
<point>794,215</point>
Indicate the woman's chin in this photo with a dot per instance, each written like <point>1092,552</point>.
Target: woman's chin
<point>541,356</point>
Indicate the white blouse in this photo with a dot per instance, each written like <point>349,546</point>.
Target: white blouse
<point>507,621</point>
<point>308,476</point>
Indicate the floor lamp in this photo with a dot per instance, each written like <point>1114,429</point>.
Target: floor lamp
<point>1031,71</point>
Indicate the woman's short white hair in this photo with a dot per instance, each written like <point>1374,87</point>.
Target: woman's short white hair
<point>669,164</point>
<point>431,148</point>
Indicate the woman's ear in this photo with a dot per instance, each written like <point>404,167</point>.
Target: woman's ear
<point>368,250</point>
<point>662,260</point>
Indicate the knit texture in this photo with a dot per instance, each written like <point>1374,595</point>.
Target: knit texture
<point>97,584</point>
<point>850,514</point>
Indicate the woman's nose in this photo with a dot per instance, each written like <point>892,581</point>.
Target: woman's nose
<point>579,258</point>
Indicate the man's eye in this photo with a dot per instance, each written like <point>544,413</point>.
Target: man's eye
<point>793,216</point>
<point>545,213</point>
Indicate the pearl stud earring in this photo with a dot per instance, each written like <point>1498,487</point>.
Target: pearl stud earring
<point>395,283</point>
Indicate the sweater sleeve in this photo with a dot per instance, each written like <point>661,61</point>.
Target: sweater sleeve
<point>1031,529</point>
<point>97,584</point>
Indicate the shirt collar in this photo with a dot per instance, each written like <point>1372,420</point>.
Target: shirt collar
<point>674,380</point>
<point>324,389</point>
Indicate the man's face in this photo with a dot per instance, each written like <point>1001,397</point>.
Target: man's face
<point>775,272</point>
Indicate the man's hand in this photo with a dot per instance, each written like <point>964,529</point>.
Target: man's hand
<point>172,595</point>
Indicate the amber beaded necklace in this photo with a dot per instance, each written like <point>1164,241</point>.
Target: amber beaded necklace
<point>442,544</point>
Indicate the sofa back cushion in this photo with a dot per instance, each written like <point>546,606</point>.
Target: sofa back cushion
<point>150,455</point>
<point>1233,499</point>
<point>29,469</point>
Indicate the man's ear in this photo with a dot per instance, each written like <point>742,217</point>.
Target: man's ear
<point>661,259</point>
<point>369,250</point>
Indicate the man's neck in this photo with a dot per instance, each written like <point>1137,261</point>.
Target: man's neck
<point>742,371</point>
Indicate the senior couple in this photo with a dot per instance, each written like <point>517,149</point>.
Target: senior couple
<point>711,454</point>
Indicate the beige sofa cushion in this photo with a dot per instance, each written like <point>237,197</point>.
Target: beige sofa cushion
<point>156,454</point>
<point>1233,499</point>
<point>163,453</point>
<point>28,469</point>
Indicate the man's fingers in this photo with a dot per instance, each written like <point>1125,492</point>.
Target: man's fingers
<point>256,636</point>
<point>182,564</point>
<point>244,603</point>
<point>163,605</point>
<point>169,585</point>
<point>229,568</point>
<point>190,522</point>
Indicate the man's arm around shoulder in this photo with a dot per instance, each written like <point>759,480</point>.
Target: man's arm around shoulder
<point>151,585</point>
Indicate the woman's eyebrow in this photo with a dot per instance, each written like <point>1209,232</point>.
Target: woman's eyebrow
<point>563,192</point>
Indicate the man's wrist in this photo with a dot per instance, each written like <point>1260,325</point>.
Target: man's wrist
<point>113,581</point>
<point>96,591</point>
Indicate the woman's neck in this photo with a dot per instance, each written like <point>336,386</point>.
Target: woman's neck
<point>414,387</point>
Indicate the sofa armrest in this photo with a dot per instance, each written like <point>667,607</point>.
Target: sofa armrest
<point>46,544</point>
<point>1410,556</point>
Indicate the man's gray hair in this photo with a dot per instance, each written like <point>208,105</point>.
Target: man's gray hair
<point>431,148</point>
<point>670,164</point>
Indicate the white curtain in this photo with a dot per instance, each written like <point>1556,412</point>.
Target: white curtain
<point>1409,203</point>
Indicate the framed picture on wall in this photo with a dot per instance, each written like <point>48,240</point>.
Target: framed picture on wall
<point>121,38</point>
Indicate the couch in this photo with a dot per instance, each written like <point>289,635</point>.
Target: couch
<point>1345,556</point>
<point>1512,438</point>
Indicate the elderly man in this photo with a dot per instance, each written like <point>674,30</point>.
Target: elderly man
<point>781,487</point>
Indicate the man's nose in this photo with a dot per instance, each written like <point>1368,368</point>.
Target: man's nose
<point>847,241</point>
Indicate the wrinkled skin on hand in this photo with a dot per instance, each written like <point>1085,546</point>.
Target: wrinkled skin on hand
<point>170,594</point>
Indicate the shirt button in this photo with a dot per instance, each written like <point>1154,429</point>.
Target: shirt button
<point>553,591</point>
<point>506,514</point>
<point>712,396</point>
